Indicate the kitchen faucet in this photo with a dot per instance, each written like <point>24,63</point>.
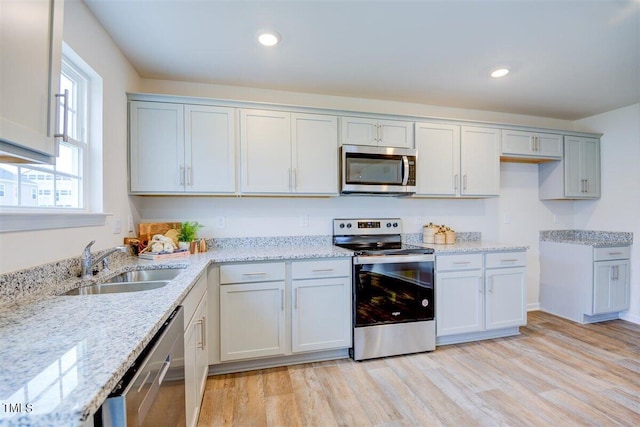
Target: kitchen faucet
<point>88,263</point>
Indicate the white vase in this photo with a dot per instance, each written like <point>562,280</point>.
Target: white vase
<point>183,245</point>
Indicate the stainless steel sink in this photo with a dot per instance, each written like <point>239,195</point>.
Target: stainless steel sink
<point>145,275</point>
<point>116,288</point>
<point>130,281</point>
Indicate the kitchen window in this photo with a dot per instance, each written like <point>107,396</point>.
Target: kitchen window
<point>56,196</point>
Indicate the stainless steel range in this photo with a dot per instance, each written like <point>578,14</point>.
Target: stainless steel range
<point>393,289</point>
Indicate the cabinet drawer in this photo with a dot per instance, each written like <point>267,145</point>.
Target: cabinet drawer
<point>255,272</point>
<point>458,262</point>
<point>606,254</point>
<point>506,259</point>
<point>322,268</point>
<point>191,301</point>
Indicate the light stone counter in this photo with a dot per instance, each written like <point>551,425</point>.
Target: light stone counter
<point>62,355</point>
<point>597,239</point>
<point>474,247</point>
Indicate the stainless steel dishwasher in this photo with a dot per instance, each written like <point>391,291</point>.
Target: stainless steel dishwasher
<point>152,391</point>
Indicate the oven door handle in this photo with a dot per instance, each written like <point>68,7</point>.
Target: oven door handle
<point>392,259</point>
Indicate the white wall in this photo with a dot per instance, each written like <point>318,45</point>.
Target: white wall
<point>88,39</point>
<point>619,207</point>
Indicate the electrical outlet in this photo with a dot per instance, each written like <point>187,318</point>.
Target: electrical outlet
<point>130,223</point>
<point>220,222</point>
<point>117,225</point>
<point>507,219</point>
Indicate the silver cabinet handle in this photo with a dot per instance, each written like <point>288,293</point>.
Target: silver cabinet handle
<point>490,287</point>
<point>189,176</point>
<point>295,184</point>
<point>65,116</point>
<point>201,344</point>
<point>290,180</point>
<point>537,145</point>
<point>461,262</point>
<point>203,322</point>
<point>455,181</point>
<point>464,181</point>
<point>615,253</point>
<point>282,299</point>
<point>480,285</point>
<point>181,175</point>
<point>295,298</point>
<point>322,270</point>
<point>586,185</point>
<point>509,260</point>
<point>258,273</point>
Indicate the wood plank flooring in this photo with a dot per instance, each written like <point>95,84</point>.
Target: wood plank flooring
<point>557,373</point>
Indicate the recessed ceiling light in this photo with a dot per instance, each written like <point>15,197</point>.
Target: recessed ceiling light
<point>499,72</point>
<point>269,39</point>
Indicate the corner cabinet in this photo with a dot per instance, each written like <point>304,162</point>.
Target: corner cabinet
<point>31,34</point>
<point>480,296</point>
<point>288,153</point>
<point>577,176</point>
<point>383,133</point>
<point>181,148</point>
<point>457,161</point>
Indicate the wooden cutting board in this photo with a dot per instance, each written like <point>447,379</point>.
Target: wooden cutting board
<point>147,230</point>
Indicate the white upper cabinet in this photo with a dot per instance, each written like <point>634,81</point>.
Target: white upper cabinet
<point>438,168</point>
<point>209,149</point>
<point>456,161</point>
<point>288,153</point>
<point>383,133</point>
<point>531,146</point>
<point>31,52</point>
<point>479,161</point>
<point>577,176</point>
<point>176,148</point>
<point>156,147</point>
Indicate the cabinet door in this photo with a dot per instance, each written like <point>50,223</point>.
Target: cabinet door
<point>190,382</point>
<point>321,316</point>
<point>252,320</point>
<point>505,291</point>
<point>480,161</point>
<point>156,147</point>
<point>265,144</point>
<point>31,34</point>
<point>315,153</point>
<point>582,167</point>
<point>358,131</point>
<point>610,286</point>
<point>459,302</point>
<point>210,149</point>
<point>202,364</point>
<point>530,144</point>
<point>394,133</point>
<point>438,148</point>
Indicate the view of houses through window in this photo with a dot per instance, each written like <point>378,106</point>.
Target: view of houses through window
<point>60,185</point>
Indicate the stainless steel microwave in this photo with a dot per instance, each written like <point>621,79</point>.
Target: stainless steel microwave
<point>377,170</point>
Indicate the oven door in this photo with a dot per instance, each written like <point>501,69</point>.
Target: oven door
<point>393,289</point>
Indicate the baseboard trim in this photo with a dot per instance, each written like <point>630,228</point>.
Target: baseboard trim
<point>534,306</point>
<point>630,317</point>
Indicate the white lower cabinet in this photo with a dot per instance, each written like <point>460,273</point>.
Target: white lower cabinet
<point>195,348</point>
<point>583,283</point>
<point>252,320</point>
<point>284,308</point>
<point>478,296</point>
<point>321,305</point>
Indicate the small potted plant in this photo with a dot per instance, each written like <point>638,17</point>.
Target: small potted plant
<point>188,235</point>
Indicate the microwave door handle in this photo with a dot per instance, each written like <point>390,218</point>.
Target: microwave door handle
<point>405,163</point>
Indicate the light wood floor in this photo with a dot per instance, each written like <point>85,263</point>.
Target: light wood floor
<point>557,373</point>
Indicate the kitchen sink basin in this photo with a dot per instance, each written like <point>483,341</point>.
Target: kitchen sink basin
<point>145,275</point>
<point>130,281</point>
<point>119,287</point>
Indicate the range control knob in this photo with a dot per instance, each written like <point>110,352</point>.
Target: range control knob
<point>341,225</point>
<point>388,225</point>
<point>395,224</point>
<point>349,225</point>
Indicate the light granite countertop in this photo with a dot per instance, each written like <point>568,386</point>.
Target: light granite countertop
<point>62,355</point>
<point>597,239</point>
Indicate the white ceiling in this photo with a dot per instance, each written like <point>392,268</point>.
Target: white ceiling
<point>569,58</point>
